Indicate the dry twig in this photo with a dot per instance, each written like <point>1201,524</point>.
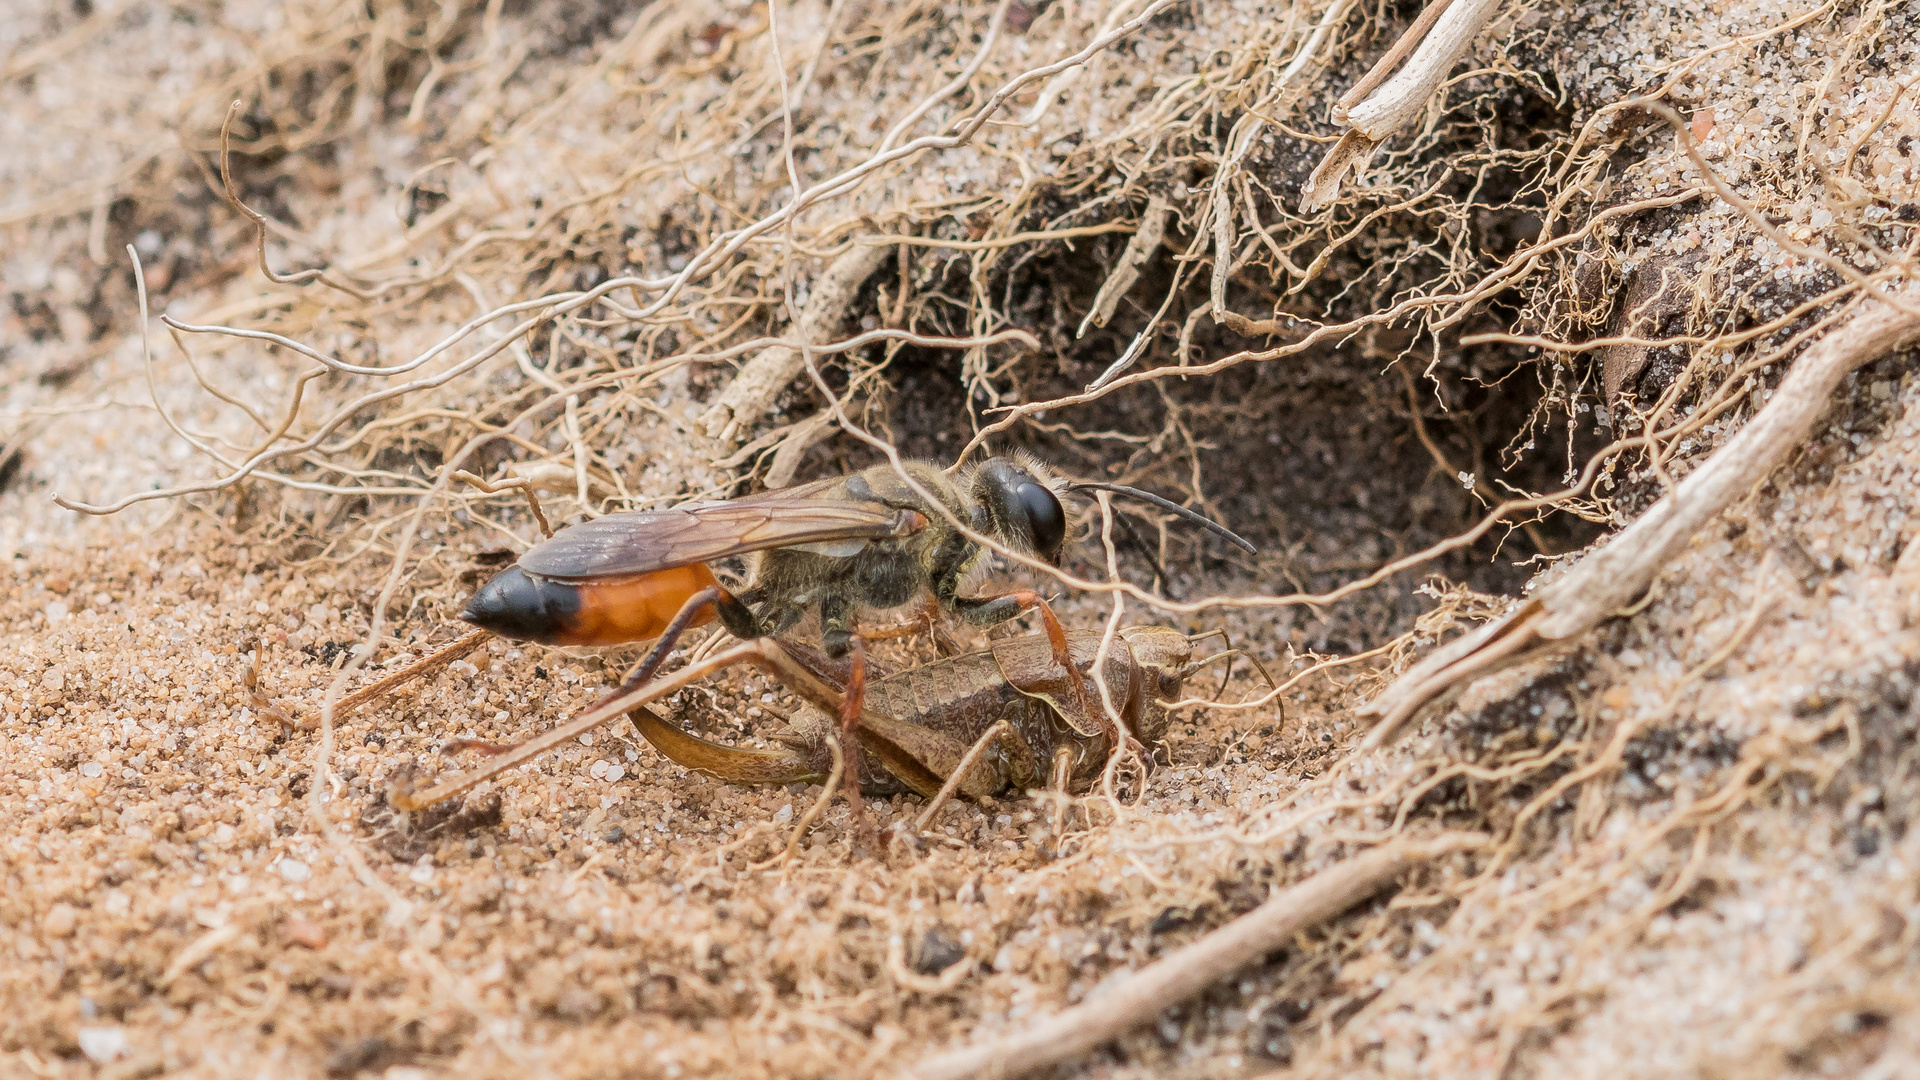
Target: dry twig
<point>1394,104</point>
<point>1150,991</point>
<point>753,390</point>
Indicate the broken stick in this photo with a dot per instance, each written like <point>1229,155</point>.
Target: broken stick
<point>753,391</point>
<point>1144,995</point>
<point>1444,38</point>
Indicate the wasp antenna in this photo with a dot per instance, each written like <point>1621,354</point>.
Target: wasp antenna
<point>1170,506</point>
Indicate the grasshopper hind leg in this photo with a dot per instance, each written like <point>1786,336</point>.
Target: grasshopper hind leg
<point>962,772</point>
<point>734,764</point>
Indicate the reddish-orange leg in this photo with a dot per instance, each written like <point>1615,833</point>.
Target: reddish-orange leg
<point>424,666</point>
<point>928,623</point>
<point>852,703</point>
<point>813,686</point>
<point>1057,638</point>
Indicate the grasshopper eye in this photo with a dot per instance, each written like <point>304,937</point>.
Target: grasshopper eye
<point>1046,522</point>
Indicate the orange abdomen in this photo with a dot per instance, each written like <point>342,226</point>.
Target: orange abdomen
<point>515,604</point>
<point>639,608</point>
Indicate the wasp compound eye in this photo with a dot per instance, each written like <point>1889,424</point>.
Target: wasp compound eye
<point>1046,522</point>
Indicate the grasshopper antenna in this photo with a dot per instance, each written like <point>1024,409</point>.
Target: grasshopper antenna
<point>1228,654</point>
<point>1171,507</point>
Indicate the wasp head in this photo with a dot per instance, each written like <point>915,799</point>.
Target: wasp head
<point>1022,501</point>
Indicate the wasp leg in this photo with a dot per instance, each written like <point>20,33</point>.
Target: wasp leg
<point>852,703</point>
<point>766,654</point>
<point>754,621</point>
<point>734,764</point>
<point>928,623</point>
<point>987,610</point>
<point>990,610</point>
<point>837,639</point>
<point>640,677</point>
<point>894,630</point>
<point>479,746</point>
<point>836,627</point>
<point>712,594</point>
<point>736,614</point>
<point>809,683</point>
<point>721,599</point>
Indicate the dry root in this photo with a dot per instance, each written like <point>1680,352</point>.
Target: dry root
<point>1606,582</point>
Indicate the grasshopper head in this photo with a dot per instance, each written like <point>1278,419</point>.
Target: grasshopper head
<point>1162,655</point>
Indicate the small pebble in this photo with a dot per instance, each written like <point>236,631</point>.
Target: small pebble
<point>293,870</point>
<point>59,921</point>
<point>103,1044</point>
<point>307,934</point>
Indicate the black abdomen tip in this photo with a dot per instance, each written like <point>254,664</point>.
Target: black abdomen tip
<point>517,605</point>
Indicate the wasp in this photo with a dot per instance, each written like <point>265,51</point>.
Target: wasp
<point>978,724</point>
<point>868,541</point>
<point>873,540</point>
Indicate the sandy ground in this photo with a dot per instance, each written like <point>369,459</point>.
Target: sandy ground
<point>1705,863</point>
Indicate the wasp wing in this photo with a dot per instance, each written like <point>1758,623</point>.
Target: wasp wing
<point>647,540</point>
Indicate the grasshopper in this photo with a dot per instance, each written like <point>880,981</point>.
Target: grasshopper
<point>978,724</point>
